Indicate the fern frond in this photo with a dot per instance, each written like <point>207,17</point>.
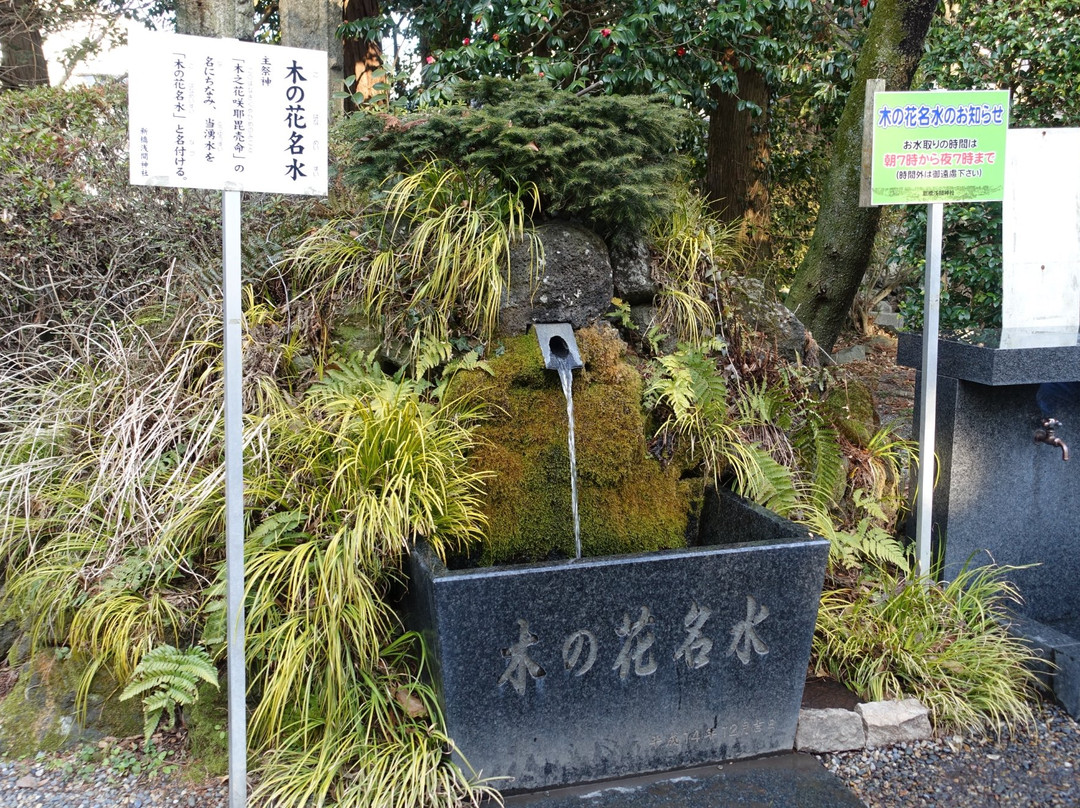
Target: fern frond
<point>820,456</point>
<point>167,679</point>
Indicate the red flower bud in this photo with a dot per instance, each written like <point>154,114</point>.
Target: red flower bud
<point>605,33</point>
<point>465,41</point>
<point>681,52</point>
<point>430,60</point>
<point>494,37</point>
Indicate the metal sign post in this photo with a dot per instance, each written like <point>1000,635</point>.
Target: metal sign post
<point>932,147</point>
<point>924,503</point>
<point>234,498</point>
<point>232,116</point>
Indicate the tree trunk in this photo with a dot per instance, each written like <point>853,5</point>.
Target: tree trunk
<point>828,278</point>
<point>22,59</point>
<point>313,24</point>
<point>234,19</point>
<point>362,56</point>
<point>737,155</point>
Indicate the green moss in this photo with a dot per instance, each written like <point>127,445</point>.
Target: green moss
<point>850,409</point>
<point>207,724</point>
<point>39,714</point>
<point>628,501</point>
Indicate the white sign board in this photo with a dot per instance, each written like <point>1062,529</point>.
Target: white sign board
<point>227,115</point>
<point>1041,239</point>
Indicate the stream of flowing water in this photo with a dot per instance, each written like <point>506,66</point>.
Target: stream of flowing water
<point>564,367</point>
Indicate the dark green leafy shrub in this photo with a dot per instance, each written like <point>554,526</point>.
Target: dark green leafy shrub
<point>603,160</point>
<point>970,261</point>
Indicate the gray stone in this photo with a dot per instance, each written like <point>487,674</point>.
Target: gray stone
<point>567,672</point>
<point>888,321</point>
<point>352,334</point>
<point>644,319</point>
<point>831,729</point>
<point>1067,678</point>
<point>1001,497</point>
<point>855,353</point>
<point>1042,643</point>
<point>40,713</point>
<point>771,317</point>
<point>889,722</point>
<point>782,781</point>
<point>631,269</point>
<point>573,284</point>
<point>10,632</point>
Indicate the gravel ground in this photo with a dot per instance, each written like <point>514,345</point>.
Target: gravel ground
<point>50,783</point>
<point>1033,768</point>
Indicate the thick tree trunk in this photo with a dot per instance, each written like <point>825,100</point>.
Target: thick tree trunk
<point>828,278</point>
<point>362,56</point>
<point>738,151</point>
<point>22,59</point>
<point>234,19</point>
<point>737,156</point>
<point>313,24</point>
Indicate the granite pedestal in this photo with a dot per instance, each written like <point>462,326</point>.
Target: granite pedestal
<point>1000,495</point>
<point>778,781</point>
<point>561,673</point>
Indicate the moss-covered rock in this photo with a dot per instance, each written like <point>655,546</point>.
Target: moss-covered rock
<point>628,502</point>
<point>40,712</point>
<point>849,407</point>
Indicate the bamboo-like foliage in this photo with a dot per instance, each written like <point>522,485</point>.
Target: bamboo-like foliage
<point>362,467</point>
<point>743,434</point>
<point>694,248</point>
<point>111,521</point>
<point>431,258</point>
<point>381,746</point>
<point>946,644</point>
<point>106,435</point>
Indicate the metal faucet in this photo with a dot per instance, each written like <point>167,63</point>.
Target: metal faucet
<point>1045,434</point>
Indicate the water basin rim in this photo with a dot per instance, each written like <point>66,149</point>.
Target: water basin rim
<point>440,570</point>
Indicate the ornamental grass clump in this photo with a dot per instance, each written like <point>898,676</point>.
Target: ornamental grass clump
<point>946,644</point>
<point>112,535</point>
<point>429,260</point>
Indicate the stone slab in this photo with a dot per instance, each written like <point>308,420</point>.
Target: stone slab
<point>890,722</point>
<point>1041,640</point>
<point>568,672</point>
<point>1056,652</point>
<point>780,781</point>
<point>988,364</point>
<point>830,729</point>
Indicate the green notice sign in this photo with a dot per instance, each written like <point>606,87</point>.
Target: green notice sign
<point>939,146</point>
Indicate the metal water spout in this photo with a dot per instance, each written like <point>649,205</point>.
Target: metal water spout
<point>1045,434</point>
<point>560,352</point>
<point>558,346</point>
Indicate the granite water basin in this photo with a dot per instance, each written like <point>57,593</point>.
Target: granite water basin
<point>568,672</point>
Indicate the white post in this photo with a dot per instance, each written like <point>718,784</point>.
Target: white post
<point>234,499</point>
<point>928,402</point>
